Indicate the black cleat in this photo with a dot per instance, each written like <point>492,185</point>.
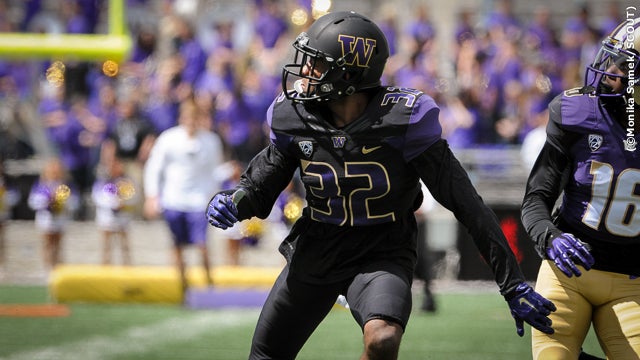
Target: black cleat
<point>428,302</point>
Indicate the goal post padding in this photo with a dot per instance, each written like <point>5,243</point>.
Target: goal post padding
<point>153,284</point>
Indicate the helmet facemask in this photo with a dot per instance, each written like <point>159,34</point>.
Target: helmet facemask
<point>315,75</point>
<point>614,64</point>
<point>617,60</point>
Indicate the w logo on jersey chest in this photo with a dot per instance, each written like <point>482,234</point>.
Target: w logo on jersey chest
<point>595,141</point>
<point>338,141</point>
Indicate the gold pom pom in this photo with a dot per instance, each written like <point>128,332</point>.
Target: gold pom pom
<point>126,189</point>
<point>252,228</point>
<point>60,196</point>
<point>293,209</point>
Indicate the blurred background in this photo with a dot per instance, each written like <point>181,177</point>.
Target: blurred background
<point>492,66</point>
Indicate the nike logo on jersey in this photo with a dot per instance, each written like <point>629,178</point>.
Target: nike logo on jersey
<point>524,301</point>
<point>366,150</point>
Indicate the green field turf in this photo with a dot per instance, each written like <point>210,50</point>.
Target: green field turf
<point>466,326</point>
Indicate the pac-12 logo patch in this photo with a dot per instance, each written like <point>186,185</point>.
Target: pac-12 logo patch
<point>595,141</point>
<point>306,147</point>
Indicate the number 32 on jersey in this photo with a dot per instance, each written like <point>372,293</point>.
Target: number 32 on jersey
<point>353,208</point>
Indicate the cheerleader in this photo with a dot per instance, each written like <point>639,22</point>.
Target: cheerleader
<point>54,200</point>
<point>114,196</point>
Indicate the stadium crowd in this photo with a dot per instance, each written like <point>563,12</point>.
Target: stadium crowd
<point>491,88</point>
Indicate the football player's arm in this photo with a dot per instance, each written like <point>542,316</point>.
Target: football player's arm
<point>153,177</point>
<point>548,177</point>
<point>449,184</point>
<point>268,173</point>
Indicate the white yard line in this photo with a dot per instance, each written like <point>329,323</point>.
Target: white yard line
<point>140,338</point>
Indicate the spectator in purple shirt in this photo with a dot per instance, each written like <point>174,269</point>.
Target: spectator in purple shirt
<point>75,19</point>
<point>540,35</point>
<point>421,29</point>
<point>191,51</point>
<point>388,25</point>
<point>238,125</point>
<point>464,29</point>
<point>218,75</point>
<point>145,43</point>
<point>502,15</point>
<point>270,25</point>
<point>162,107</point>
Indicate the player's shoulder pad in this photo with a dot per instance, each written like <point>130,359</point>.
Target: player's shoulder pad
<point>575,109</point>
<point>406,103</point>
<point>284,114</point>
<point>414,111</point>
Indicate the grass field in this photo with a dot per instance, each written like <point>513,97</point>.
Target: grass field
<point>466,326</point>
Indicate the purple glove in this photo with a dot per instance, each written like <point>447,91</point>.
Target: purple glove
<point>222,212</point>
<point>566,251</point>
<point>527,305</point>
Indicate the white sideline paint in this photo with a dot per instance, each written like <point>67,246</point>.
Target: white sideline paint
<point>139,338</point>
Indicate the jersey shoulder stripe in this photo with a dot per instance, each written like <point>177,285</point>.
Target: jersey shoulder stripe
<point>417,113</point>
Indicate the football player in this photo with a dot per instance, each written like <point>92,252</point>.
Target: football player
<point>361,150</point>
<point>591,243</point>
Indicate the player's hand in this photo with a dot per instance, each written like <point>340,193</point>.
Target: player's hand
<point>151,207</point>
<point>222,212</point>
<point>566,251</point>
<point>527,305</point>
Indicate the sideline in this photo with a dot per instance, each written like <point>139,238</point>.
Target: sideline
<point>34,310</point>
<point>138,339</point>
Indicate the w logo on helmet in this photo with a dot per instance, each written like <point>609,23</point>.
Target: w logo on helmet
<point>356,50</point>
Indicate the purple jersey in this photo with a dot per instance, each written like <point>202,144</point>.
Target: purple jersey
<point>602,197</point>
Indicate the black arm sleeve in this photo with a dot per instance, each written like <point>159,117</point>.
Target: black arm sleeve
<point>548,177</point>
<point>449,183</point>
<point>268,173</point>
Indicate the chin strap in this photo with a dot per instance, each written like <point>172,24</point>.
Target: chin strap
<point>605,88</point>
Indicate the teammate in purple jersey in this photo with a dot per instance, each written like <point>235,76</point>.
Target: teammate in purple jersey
<point>361,150</point>
<point>591,243</point>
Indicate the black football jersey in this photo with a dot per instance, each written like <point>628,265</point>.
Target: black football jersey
<point>362,186</point>
<point>358,175</point>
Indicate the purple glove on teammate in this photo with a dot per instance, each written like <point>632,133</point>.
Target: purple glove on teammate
<point>566,251</point>
<point>222,212</point>
<point>527,305</point>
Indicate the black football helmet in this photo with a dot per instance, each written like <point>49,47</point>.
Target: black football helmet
<point>618,58</point>
<point>341,53</point>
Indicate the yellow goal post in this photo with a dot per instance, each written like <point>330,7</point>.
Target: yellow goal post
<point>114,46</point>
